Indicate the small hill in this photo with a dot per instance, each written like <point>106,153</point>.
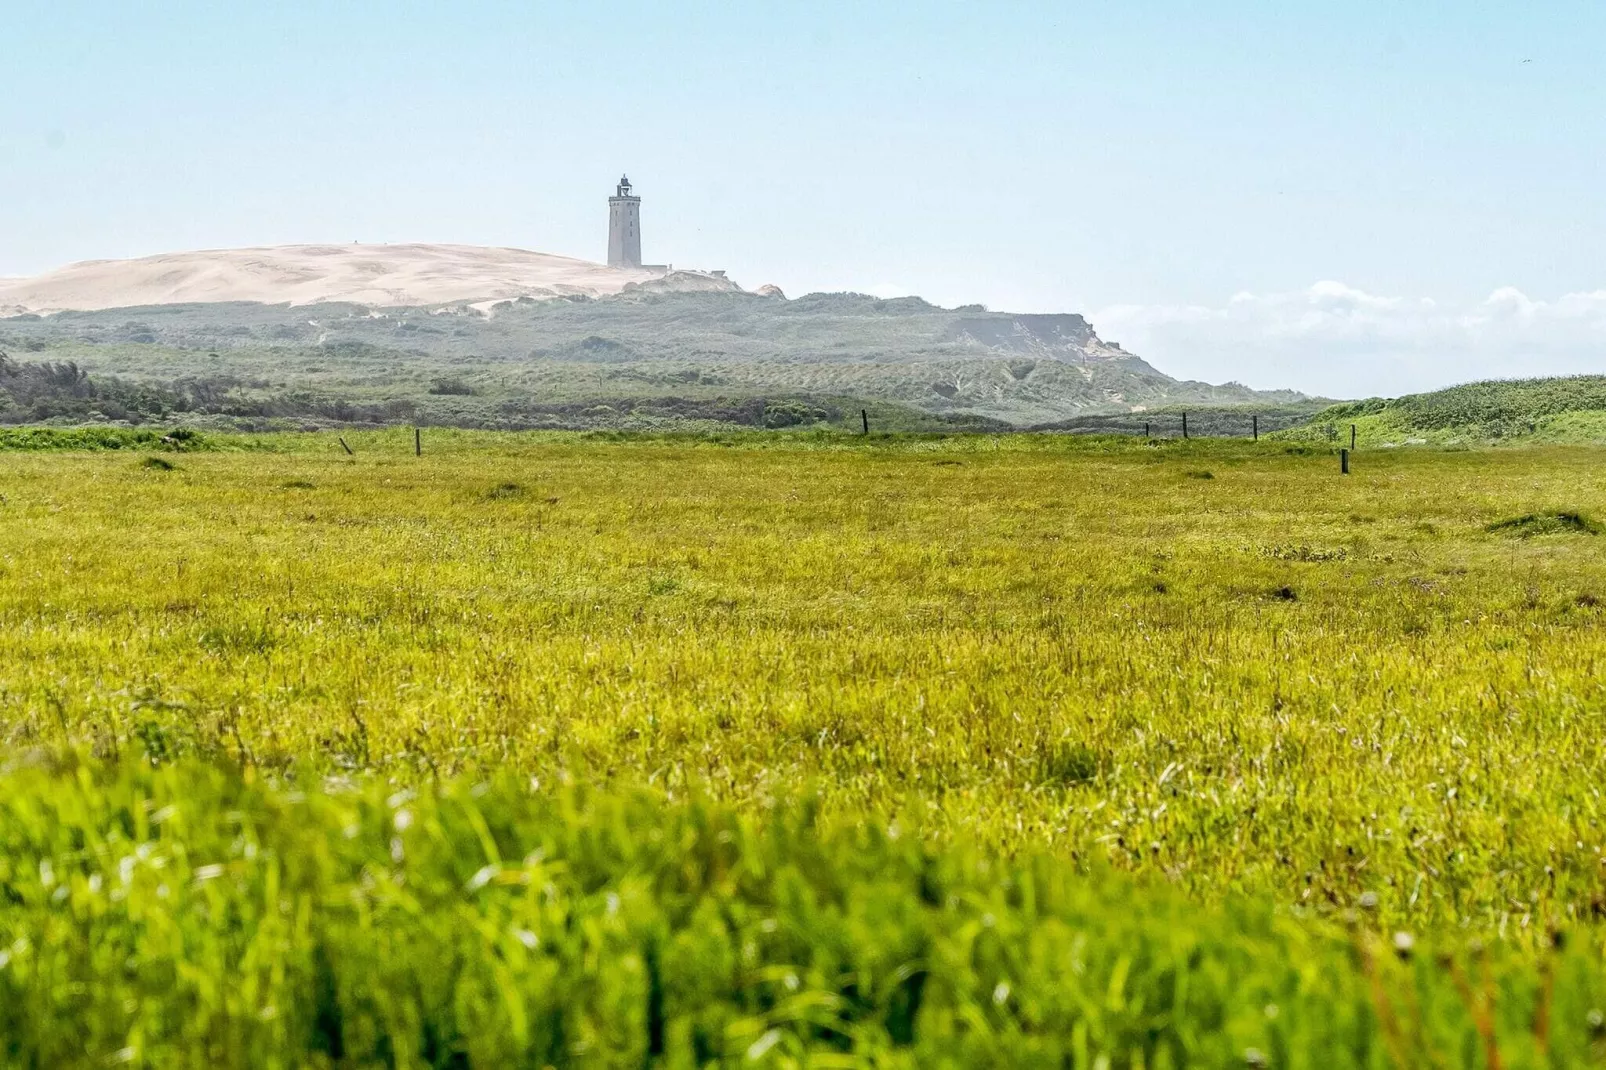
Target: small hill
<point>386,275</point>
<point>1564,409</point>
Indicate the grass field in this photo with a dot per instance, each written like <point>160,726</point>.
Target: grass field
<point>1135,752</point>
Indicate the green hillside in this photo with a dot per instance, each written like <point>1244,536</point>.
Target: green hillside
<point>1569,409</point>
<point>639,361</point>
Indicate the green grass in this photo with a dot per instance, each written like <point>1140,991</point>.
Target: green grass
<point>1277,715</point>
<point>112,438</point>
<point>1531,524</point>
<point>189,916</point>
<point>1563,409</point>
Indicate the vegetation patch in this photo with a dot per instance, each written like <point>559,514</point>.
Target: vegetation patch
<point>1531,524</point>
<point>1305,553</point>
<point>793,414</point>
<point>1071,762</point>
<point>177,440</point>
<point>663,583</point>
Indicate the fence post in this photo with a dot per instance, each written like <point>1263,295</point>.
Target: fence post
<point>418,442</point>
<point>864,414</point>
<point>1351,436</point>
<point>1146,430</point>
<point>1254,427</point>
<point>341,439</point>
<point>1184,425</point>
<point>1343,462</point>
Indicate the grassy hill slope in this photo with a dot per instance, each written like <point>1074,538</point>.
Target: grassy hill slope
<point>1570,409</point>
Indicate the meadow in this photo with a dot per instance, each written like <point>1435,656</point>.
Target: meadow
<point>802,750</point>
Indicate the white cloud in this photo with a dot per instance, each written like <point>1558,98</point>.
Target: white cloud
<point>1336,340</point>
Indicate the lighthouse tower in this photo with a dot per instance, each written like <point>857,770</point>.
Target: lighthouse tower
<point>624,227</point>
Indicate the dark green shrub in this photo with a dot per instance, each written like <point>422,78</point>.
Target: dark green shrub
<point>1068,762</point>
<point>451,387</point>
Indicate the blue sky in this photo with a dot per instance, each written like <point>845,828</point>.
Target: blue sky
<point>1347,198</point>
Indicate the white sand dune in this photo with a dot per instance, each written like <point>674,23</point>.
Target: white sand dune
<point>382,275</point>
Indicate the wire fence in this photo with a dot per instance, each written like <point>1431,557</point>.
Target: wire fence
<point>1202,423</point>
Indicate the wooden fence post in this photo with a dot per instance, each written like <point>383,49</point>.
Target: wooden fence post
<point>1146,430</point>
<point>1254,427</point>
<point>1343,462</point>
<point>1351,436</point>
<point>864,414</point>
<point>1184,425</point>
<point>418,442</point>
<point>341,439</point>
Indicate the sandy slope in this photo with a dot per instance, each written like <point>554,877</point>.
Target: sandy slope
<point>305,274</point>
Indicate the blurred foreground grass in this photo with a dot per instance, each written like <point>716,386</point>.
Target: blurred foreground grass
<point>189,916</point>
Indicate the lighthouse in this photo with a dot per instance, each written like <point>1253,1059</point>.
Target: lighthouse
<point>624,227</point>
